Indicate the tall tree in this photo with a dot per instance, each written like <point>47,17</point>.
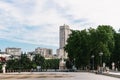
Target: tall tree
<point>25,62</point>
<point>105,41</point>
<point>38,60</point>
<point>78,48</point>
<point>115,57</point>
<point>85,43</point>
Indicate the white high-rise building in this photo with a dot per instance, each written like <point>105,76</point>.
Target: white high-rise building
<point>63,36</point>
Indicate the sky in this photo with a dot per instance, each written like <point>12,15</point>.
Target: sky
<point>29,24</point>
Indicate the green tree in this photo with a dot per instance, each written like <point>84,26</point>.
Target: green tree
<point>38,60</point>
<point>19,64</point>
<point>24,62</point>
<point>13,64</point>
<point>115,57</point>
<point>85,43</point>
<point>51,64</point>
<point>78,48</point>
<point>69,64</point>
<point>105,41</point>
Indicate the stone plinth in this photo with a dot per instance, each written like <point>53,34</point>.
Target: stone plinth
<point>62,64</point>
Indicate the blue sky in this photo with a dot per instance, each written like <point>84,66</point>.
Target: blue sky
<point>35,23</point>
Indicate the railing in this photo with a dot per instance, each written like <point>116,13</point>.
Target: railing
<point>33,70</point>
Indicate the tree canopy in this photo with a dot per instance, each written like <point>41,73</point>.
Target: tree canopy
<point>85,43</point>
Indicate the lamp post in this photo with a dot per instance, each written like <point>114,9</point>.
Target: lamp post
<point>19,64</point>
<point>118,65</point>
<point>101,69</point>
<point>100,54</point>
<point>92,61</point>
<point>74,64</point>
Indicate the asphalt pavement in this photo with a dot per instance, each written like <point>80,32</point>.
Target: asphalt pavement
<point>60,76</point>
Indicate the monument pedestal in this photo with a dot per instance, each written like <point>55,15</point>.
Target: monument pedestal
<point>62,65</point>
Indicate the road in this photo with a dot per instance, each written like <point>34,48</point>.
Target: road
<point>70,76</point>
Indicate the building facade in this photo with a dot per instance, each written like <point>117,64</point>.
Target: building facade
<point>64,32</point>
<point>47,53</point>
<point>13,51</point>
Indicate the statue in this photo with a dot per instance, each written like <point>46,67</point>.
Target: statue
<point>4,68</point>
<point>113,66</point>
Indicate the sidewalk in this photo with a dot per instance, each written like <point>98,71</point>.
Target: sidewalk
<point>112,74</point>
<point>115,73</point>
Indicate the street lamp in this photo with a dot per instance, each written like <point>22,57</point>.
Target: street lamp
<point>92,61</point>
<point>118,64</point>
<point>100,54</point>
<point>73,65</point>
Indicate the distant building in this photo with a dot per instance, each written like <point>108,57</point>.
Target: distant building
<point>47,53</point>
<point>63,36</point>
<point>4,56</point>
<point>16,52</point>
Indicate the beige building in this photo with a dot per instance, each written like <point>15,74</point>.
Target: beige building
<point>13,51</point>
<point>63,36</point>
<point>47,53</point>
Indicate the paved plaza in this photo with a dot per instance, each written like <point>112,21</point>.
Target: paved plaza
<point>56,76</point>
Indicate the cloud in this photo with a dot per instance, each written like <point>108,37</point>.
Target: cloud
<point>38,21</point>
<point>95,11</point>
